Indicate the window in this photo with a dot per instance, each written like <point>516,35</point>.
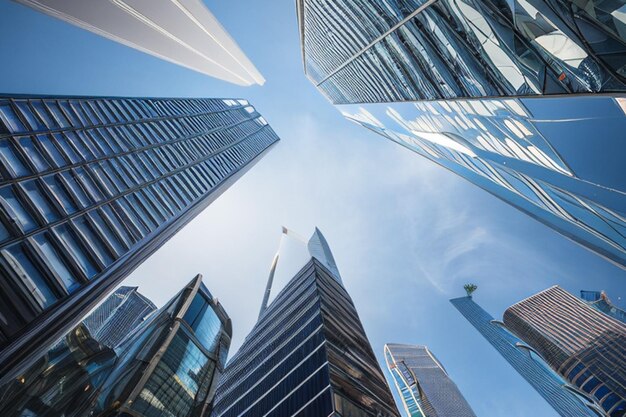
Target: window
<point>40,201</point>
<point>11,160</point>
<point>22,264</point>
<point>16,210</point>
<point>67,148</point>
<point>107,232</point>
<point>44,114</point>
<point>54,260</point>
<point>51,150</point>
<point>58,191</point>
<point>10,119</point>
<point>76,189</point>
<point>94,240</point>
<point>33,153</point>
<point>77,250</point>
<point>29,115</point>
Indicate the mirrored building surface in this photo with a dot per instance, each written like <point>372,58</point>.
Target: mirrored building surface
<point>307,355</point>
<point>582,344</point>
<point>499,92</point>
<point>167,366</point>
<point>90,187</point>
<point>171,364</point>
<point>565,400</point>
<point>424,385</point>
<point>184,32</point>
<point>118,315</point>
<point>373,51</point>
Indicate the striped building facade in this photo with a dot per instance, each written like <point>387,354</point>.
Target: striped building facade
<point>582,344</point>
<point>531,367</point>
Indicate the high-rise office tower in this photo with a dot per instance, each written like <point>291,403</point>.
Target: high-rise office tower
<point>118,315</point>
<point>600,301</point>
<point>423,384</point>
<point>90,187</point>
<point>554,389</point>
<point>184,32</point>
<point>582,344</point>
<point>172,363</point>
<point>169,365</point>
<point>506,97</point>
<point>307,355</point>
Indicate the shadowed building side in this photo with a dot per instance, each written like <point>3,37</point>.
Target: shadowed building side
<point>307,355</point>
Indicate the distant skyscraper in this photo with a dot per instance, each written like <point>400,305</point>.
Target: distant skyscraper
<point>554,389</point>
<point>582,344</point>
<point>118,315</point>
<point>308,354</point>
<point>423,383</point>
<point>600,301</point>
<point>180,31</point>
<point>168,366</point>
<point>90,187</point>
<point>560,159</point>
<point>171,365</point>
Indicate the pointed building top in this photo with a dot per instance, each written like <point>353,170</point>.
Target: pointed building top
<point>319,249</point>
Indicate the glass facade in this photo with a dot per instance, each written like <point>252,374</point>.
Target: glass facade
<point>551,386</point>
<point>307,355</point>
<point>114,319</point>
<point>493,91</point>
<point>374,51</point>
<point>424,385</point>
<point>171,365</point>
<point>89,187</point>
<point>582,344</point>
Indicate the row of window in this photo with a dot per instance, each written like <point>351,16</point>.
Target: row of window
<point>75,251</point>
<point>19,116</point>
<point>28,155</point>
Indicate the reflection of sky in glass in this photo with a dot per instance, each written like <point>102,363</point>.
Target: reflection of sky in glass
<point>546,158</point>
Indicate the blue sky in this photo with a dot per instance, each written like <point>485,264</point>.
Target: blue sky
<point>406,233</point>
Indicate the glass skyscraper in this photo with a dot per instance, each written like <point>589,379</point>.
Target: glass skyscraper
<point>565,400</point>
<point>582,344</point>
<point>423,383</point>
<point>498,92</point>
<point>90,187</point>
<point>118,315</point>
<point>171,364</point>
<point>168,365</point>
<point>307,355</point>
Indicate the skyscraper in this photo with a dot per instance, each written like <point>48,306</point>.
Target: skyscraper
<point>554,389</point>
<point>582,344</point>
<point>600,301</point>
<point>423,383</point>
<point>172,364</point>
<point>90,187</point>
<point>169,365</point>
<point>118,315</point>
<point>504,83</point>
<point>184,32</point>
<point>307,355</point>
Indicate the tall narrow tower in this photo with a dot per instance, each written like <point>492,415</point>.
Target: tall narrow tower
<point>424,385</point>
<point>308,354</point>
<point>90,187</point>
<point>553,388</point>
